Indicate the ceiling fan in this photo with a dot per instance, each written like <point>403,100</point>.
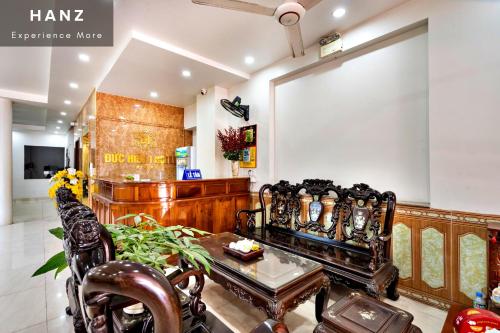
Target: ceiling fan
<point>288,14</point>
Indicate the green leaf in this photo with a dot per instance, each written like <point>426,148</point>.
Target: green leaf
<point>188,232</point>
<point>60,269</point>
<point>124,217</point>
<point>58,232</point>
<point>54,262</point>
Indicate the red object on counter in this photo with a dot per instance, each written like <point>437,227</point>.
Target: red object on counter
<point>476,321</point>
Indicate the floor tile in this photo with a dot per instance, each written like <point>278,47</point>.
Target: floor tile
<point>62,324</point>
<point>40,328</point>
<point>17,280</point>
<point>22,310</point>
<point>57,301</point>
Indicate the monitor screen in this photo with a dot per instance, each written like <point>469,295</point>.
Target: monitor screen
<point>42,162</point>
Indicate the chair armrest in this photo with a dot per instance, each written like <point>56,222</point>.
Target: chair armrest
<point>250,213</point>
<point>196,306</point>
<point>133,280</point>
<point>384,237</point>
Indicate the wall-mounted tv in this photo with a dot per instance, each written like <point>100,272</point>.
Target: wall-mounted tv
<point>42,162</point>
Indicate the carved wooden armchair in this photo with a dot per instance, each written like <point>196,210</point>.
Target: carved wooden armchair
<point>108,286</point>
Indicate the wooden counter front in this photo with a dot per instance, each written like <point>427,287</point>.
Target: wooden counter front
<point>208,204</point>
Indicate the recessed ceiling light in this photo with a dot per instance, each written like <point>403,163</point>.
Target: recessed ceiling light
<point>153,94</point>
<point>67,102</point>
<point>63,113</point>
<point>59,121</point>
<point>57,127</point>
<point>73,85</point>
<point>56,132</point>
<point>249,60</point>
<point>84,57</point>
<point>339,12</point>
<point>186,73</point>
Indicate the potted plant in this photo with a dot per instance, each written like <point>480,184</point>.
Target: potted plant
<point>144,241</point>
<point>69,178</point>
<point>232,142</point>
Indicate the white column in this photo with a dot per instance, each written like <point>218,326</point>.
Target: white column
<point>210,117</point>
<point>5,161</point>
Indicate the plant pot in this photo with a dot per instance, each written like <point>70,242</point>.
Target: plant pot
<point>235,168</point>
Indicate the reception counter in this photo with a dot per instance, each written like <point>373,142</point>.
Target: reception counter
<point>208,204</point>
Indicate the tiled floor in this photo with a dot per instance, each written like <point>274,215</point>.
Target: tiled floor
<point>36,305</point>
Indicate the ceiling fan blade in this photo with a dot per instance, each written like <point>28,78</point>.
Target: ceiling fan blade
<point>295,40</point>
<point>237,5</point>
<point>308,4</point>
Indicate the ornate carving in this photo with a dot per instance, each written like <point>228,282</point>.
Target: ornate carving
<point>239,292</point>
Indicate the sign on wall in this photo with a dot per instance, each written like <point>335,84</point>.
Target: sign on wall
<point>249,159</point>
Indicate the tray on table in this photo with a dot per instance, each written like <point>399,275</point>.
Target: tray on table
<point>242,255</point>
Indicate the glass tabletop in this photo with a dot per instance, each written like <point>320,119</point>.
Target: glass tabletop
<point>275,269</point>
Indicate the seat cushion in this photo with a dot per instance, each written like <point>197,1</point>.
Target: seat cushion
<point>329,255</point>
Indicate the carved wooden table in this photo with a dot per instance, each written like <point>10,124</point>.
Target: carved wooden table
<point>275,283</point>
<point>358,314</point>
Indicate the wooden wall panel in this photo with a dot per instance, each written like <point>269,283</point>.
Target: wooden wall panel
<point>453,226</point>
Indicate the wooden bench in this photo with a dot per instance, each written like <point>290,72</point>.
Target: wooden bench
<point>353,244</point>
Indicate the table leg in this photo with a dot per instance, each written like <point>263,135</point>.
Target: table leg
<point>183,265</point>
<point>321,303</point>
<point>275,310</point>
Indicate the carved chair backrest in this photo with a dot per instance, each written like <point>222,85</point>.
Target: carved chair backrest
<point>355,216</point>
<point>90,254</point>
<point>86,243</point>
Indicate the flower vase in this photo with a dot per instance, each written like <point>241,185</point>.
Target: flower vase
<point>235,168</point>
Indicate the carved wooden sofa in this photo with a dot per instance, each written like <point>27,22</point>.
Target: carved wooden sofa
<point>108,286</point>
<point>353,244</point>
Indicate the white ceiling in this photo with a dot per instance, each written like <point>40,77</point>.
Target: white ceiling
<point>143,68</point>
<point>221,37</point>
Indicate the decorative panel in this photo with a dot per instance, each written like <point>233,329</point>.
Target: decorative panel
<point>432,247</point>
<point>401,249</point>
<point>137,137</point>
<point>473,264</point>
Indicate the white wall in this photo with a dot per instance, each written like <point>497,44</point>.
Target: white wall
<point>190,116</point>
<point>210,116</point>
<point>30,188</point>
<point>367,119</point>
<point>464,86</point>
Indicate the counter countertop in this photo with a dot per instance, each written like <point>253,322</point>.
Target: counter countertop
<point>161,181</point>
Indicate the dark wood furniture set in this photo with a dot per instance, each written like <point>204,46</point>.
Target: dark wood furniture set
<point>357,313</point>
<point>208,204</point>
<point>108,286</point>
<point>275,283</point>
<point>353,245</point>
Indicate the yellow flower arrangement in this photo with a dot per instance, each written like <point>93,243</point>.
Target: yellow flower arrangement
<point>69,178</point>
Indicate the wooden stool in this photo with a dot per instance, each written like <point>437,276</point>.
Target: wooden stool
<point>357,313</point>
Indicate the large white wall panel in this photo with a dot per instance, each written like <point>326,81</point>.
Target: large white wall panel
<point>360,118</point>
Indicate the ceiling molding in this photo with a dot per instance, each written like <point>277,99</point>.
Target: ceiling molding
<point>23,96</point>
<point>188,54</point>
<point>23,127</point>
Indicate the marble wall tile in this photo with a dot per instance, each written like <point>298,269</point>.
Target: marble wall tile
<point>433,258</point>
<point>137,137</point>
